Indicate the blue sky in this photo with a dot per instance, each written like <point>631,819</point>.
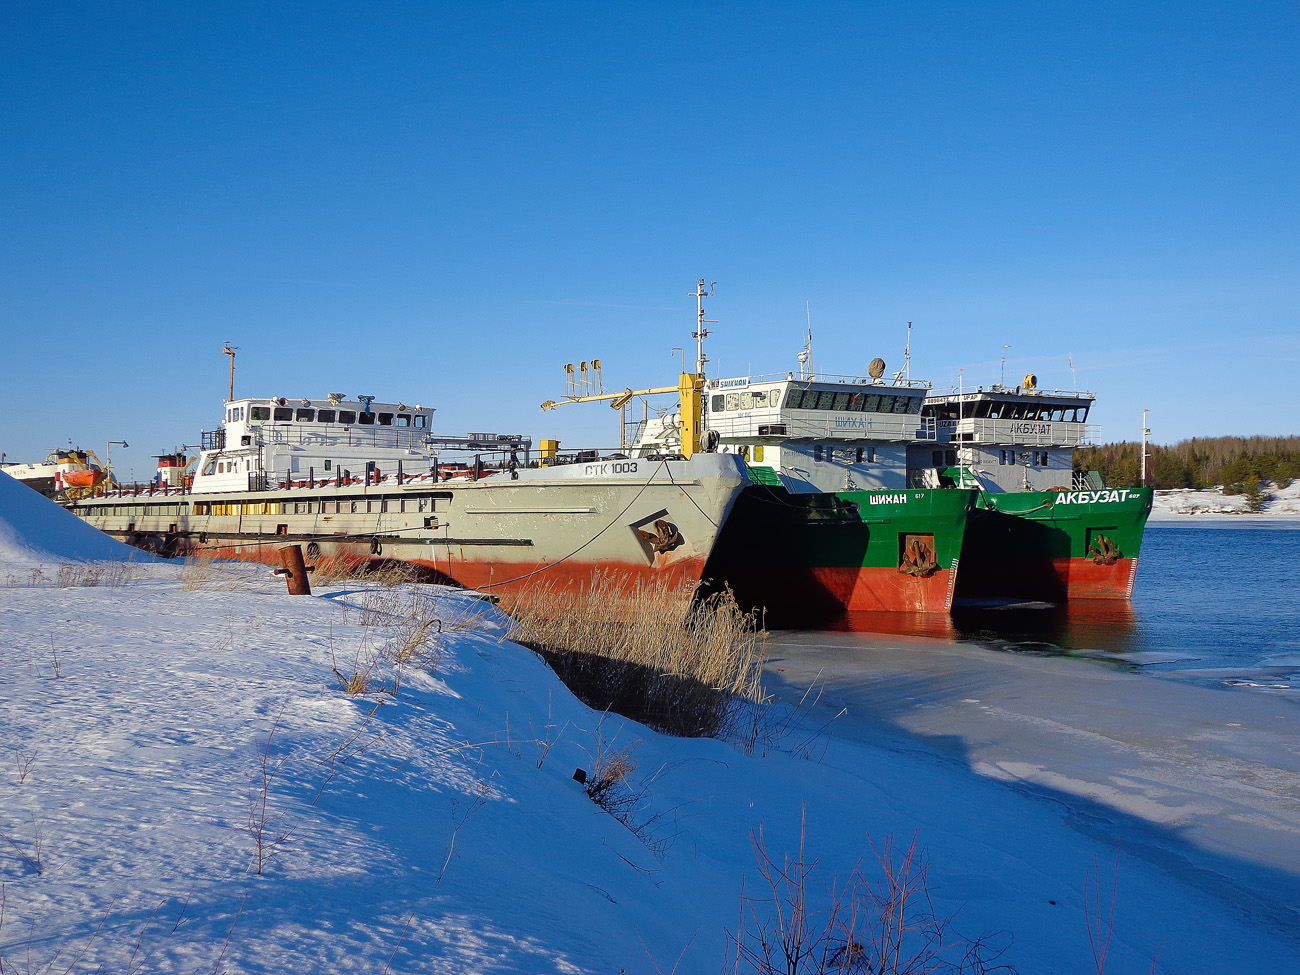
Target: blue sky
<point>445,203</point>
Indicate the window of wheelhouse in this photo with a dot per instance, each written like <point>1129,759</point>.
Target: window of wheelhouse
<point>282,413</point>
<point>261,413</point>
<point>385,419</point>
<point>325,416</point>
<point>366,419</point>
<point>718,403</point>
<point>305,415</point>
<point>402,420</point>
<point>421,421</point>
<point>347,416</point>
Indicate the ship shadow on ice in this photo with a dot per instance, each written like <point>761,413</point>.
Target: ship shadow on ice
<point>1087,627</point>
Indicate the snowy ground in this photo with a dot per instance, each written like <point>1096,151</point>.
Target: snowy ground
<point>439,829</point>
<point>1214,504</point>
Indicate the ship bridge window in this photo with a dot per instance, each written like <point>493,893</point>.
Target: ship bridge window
<point>325,416</point>
<point>385,419</point>
<point>718,403</point>
<point>261,412</point>
<point>347,416</point>
<point>282,413</point>
<point>840,401</point>
<point>366,419</point>
<point>733,401</point>
<point>307,415</point>
<point>747,400</point>
<point>402,420</point>
<point>421,421</point>
<point>760,397</point>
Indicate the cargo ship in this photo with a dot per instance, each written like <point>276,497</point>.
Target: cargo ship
<point>829,534</point>
<point>368,483</point>
<point>1040,530</point>
<point>64,474</point>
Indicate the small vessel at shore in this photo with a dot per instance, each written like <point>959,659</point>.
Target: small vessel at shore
<point>365,482</point>
<point>1040,530</point>
<point>64,474</point>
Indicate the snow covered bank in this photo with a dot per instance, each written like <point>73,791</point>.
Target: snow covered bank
<point>1186,503</point>
<point>36,531</point>
<point>441,826</point>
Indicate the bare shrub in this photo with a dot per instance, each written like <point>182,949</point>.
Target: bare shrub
<point>645,650</point>
<point>200,570</point>
<point>267,830</point>
<point>795,925</point>
<point>75,575</point>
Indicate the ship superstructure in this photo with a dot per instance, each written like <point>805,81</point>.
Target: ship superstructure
<point>1001,439</point>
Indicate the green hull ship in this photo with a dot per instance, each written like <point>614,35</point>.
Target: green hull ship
<point>1040,530</point>
<point>838,559</point>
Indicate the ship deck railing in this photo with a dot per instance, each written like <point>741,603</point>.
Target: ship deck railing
<point>813,377</point>
<point>375,476</point>
<point>1019,433</point>
<point>820,425</point>
<point>975,392</point>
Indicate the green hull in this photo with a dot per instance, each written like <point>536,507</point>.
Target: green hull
<point>1054,546</point>
<point>816,560</point>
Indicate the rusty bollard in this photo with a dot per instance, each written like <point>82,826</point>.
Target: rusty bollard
<point>294,571</point>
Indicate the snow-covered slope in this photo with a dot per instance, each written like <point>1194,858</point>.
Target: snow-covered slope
<point>186,787</point>
<point>1213,503</point>
<point>35,530</point>
<point>439,829</point>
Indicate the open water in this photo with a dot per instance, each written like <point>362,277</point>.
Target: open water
<point>1214,602</point>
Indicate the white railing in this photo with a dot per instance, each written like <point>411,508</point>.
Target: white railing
<point>729,382</point>
<point>1036,433</point>
<point>822,426</point>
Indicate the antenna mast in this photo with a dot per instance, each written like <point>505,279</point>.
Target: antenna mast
<point>701,333</point>
<point>805,357</point>
<point>905,373</point>
<point>1073,375</point>
<point>230,350</point>
<point>1146,432</point>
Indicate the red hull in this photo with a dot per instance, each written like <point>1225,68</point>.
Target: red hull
<point>498,577</point>
<point>1051,580</point>
<point>1085,579</point>
<point>874,590</point>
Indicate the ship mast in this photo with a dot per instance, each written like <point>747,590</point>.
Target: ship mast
<point>230,350</point>
<point>701,333</point>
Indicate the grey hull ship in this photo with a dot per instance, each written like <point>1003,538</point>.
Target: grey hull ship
<point>366,483</point>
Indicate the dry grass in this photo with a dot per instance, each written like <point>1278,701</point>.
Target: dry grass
<point>73,575</point>
<point>646,650</point>
<point>374,572</point>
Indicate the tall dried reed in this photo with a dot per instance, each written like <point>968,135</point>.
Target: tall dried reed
<point>646,650</point>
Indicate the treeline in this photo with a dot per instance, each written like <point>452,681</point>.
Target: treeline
<point>1238,463</point>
